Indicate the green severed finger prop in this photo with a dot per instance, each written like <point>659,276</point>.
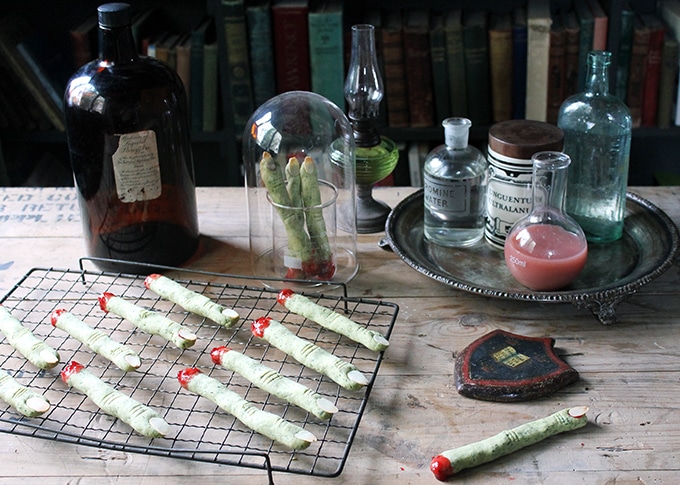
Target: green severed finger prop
<point>123,356</point>
<point>332,320</point>
<point>148,321</point>
<point>23,340</point>
<point>25,400</point>
<point>342,372</point>
<point>190,300</point>
<point>453,461</point>
<point>270,425</point>
<point>274,383</point>
<point>141,418</point>
<point>293,220</point>
<point>324,266</point>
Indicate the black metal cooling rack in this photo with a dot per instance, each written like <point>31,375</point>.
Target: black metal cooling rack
<point>199,430</point>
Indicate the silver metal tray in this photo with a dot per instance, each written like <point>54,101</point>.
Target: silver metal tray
<point>613,271</point>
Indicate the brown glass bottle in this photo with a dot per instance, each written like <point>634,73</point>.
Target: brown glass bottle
<point>129,142</point>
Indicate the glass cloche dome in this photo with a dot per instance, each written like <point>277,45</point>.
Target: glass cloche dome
<point>301,200</point>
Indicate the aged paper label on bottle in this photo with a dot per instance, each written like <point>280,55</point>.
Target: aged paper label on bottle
<point>136,167</point>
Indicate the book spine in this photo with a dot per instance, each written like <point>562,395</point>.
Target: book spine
<point>623,58</point>
<point>260,34</point>
<point>37,87</point>
<point>395,76</point>
<point>519,66</point>
<point>538,56</point>
<point>418,77</point>
<point>236,44</point>
<point>291,47</point>
<point>636,75</point>
<point>650,89</point>
<point>326,54</point>
<point>440,73</point>
<point>196,67</point>
<point>500,60</point>
<point>586,33</point>
<point>478,81</point>
<point>556,72</point>
<point>455,59</point>
<point>571,58</point>
<point>210,84</point>
<point>668,81</point>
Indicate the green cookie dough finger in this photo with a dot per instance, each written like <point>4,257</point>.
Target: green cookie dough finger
<point>293,220</point>
<point>190,300</point>
<point>22,339</point>
<point>148,321</point>
<point>123,356</point>
<point>24,400</point>
<point>274,383</point>
<point>452,461</point>
<point>331,320</point>
<point>316,225</point>
<point>270,425</point>
<point>342,372</point>
<point>141,418</point>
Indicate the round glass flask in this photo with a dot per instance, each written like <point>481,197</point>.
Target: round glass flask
<point>547,249</point>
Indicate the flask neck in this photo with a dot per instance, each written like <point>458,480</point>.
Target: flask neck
<point>597,77</point>
<point>456,132</point>
<point>549,180</point>
<point>117,45</point>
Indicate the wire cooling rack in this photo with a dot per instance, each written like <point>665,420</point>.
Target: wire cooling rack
<point>200,431</point>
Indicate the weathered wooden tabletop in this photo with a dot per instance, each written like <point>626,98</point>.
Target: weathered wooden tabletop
<point>629,371</point>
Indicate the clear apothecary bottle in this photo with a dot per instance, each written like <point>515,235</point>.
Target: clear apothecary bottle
<point>130,149</point>
<point>597,133</point>
<point>454,178</point>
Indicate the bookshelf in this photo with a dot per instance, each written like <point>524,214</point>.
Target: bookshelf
<point>217,151</point>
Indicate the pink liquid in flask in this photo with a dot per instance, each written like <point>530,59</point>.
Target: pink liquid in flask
<point>545,257</point>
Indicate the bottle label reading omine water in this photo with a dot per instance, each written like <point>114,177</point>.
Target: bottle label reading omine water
<point>447,197</point>
<point>136,167</point>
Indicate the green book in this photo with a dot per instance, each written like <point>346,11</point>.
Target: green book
<point>325,23</point>
<point>210,84</point>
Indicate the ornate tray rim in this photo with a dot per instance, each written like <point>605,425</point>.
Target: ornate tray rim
<point>601,301</point>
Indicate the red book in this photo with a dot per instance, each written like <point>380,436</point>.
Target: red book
<point>291,45</point>
<point>650,87</point>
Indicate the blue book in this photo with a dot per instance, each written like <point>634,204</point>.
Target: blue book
<point>198,41</point>
<point>259,23</point>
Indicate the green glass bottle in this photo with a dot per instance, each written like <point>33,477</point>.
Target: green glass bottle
<point>597,132</point>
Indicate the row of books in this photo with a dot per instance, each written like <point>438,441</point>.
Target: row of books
<point>495,66</point>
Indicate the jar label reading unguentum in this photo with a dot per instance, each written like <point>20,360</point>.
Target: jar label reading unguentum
<point>136,167</point>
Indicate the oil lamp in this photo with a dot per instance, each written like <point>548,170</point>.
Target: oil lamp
<point>376,155</point>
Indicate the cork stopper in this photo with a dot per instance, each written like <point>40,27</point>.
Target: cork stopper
<point>522,138</point>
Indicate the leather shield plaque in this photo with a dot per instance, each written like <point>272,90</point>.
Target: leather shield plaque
<point>502,366</point>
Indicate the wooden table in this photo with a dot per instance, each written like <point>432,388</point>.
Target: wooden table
<point>630,371</point>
